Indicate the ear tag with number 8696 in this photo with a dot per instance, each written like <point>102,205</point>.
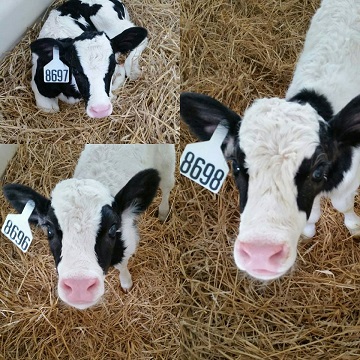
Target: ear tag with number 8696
<point>17,229</point>
<point>204,162</point>
<point>56,71</point>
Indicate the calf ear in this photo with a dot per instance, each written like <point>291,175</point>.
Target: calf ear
<point>18,195</point>
<point>138,193</point>
<point>345,126</point>
<point>44,47</point>
<point>129,39</point>
<point>203,114</point>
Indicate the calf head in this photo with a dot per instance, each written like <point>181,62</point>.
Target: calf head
<point>88,229</point>
<point>284,154</point>
<point>91,60</point>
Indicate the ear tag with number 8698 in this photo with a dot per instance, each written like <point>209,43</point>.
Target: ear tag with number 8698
<point>17,229</point>
<point>56,71</point>
<point>204,162</point>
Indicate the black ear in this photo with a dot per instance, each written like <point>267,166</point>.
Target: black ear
<point>345,126</point>
<point>18,195</point>
<point>44,47</point>
<point>203,114</point>
<point>128,40</point>
<point>138,193</point>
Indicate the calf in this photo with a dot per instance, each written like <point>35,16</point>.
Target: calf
<point>287,153</point>
<point>90,218</point>
<point>88,35</point>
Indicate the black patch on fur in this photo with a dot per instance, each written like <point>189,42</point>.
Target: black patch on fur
<point>76,9</point>
<point>43,215</point>
<point>337,164</point>
<point>119,8</point>
<point>241,176</point>
<point>203,114</point>
<point>319,102</point>
<point>69,56</point>
<point>109,250</point>
<point>138,193</point>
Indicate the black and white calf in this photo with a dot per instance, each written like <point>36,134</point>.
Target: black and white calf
<point>90,218</point>
<point>287,153</point>
<point>89,34</point>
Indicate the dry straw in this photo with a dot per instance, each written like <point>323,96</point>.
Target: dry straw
<point>145,110</point>
<point>35,324</point>
<point>238,51</point>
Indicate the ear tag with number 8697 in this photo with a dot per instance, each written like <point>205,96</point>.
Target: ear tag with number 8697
<point>56,71</point>
<point>17,229</point>
<point>204,162</point>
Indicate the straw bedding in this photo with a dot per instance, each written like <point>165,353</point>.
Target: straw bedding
<point>35,324</point>
<point>238,51</point>
<point>145,110</point>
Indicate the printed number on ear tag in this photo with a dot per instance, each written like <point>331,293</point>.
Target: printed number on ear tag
<point>17,229</point>
<point>56,71</point>
<point>204,162</point>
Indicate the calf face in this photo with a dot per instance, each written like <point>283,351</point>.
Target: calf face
<point>284,154</point>
<point>91,61</point>
<point>88,229</point>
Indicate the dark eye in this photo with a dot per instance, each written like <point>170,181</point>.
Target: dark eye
<point>112,231</point>
<point>319,173</point>
<point>236,168</point>
<point>50,232</point>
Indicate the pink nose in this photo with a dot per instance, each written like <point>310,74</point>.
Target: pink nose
<point>100,111</point>
<point>81,290</point>
<point>262,258</point>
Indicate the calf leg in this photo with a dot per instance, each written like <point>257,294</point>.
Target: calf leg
<point>166,184</point>
<point>44,103</point>
<point>345,204</point>
<point>125,276</point>
<point>118,77</point>
<point>132,68</point>
<point>310,230</point>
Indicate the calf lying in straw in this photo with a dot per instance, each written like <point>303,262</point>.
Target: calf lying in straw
<point>88,35</point>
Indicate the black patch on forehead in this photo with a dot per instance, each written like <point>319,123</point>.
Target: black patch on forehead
<point>109,250</point>
<point>319,102</point>
<point>119,8</point>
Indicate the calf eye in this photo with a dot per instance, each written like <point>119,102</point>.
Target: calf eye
<point>112,231</point>
<point>236,168</point>
<point>319,173</point>
<point>50,232</point>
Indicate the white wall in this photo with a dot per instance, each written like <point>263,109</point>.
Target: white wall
<point>6,154</point>
<point>15,17</point>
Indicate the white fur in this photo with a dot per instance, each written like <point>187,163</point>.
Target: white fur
<point>103,170</point>
<point>124,161</point>
<point>77,205</point>
<point>329,64</point>
<point>276,135</point>
<point>330,59</point>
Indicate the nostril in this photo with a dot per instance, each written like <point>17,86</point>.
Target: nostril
<point>277,256</point>
<point>93,285</point>
<point>244,254</point>
<point>66,286</point>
